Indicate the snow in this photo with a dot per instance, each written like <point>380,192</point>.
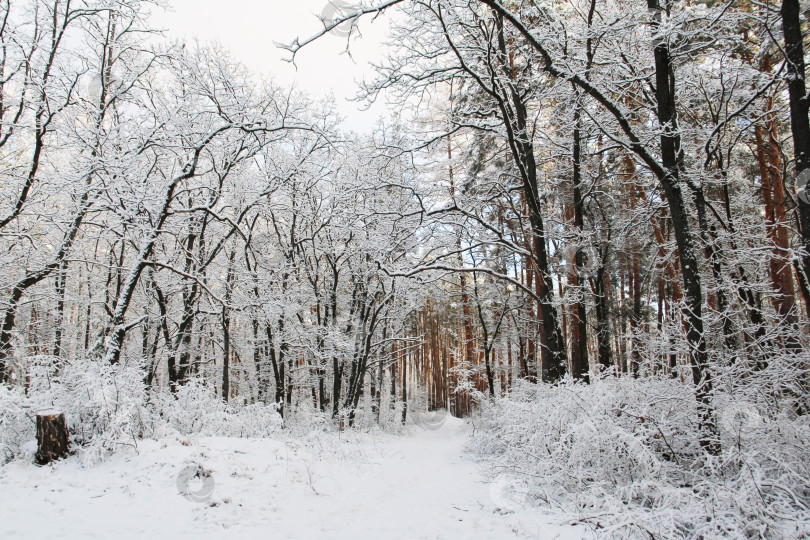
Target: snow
<point>351,485</point>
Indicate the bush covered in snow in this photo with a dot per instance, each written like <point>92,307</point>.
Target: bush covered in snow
<point>108,406</point>
<point>196,409</point>
<point>622,454</point>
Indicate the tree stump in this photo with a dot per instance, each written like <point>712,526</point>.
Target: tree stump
<point>52,436</point>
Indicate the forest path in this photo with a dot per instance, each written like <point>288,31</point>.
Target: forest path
<point>353,486</point>
<point>422,488</point>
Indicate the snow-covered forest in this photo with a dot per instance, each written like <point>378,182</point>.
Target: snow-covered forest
<point>561,289</point>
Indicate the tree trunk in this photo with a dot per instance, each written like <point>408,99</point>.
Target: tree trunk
<point>579,324</point>
<point>672,163</point>
<point>799,122</point>
<point>226,332</point>
<point>61,282</point>
<point>53,440</point>
<point>773,195</point>
<point>601,286</point>
<point>404,388</point>
<point>553,357</point>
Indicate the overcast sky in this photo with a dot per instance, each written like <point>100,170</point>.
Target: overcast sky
<point>249,28</point>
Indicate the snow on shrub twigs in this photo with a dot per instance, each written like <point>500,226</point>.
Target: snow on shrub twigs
<point>622,454</point>
<point>109,407</point>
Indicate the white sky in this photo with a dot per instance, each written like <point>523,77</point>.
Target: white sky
<point>249,28</point>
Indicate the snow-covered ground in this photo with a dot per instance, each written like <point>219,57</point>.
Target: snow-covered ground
<point>352,485</point>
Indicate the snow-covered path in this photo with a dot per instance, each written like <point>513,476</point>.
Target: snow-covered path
<point>416,486</point>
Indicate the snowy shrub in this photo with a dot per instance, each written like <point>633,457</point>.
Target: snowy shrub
<point>622,454</point>
<point>17,417</point>
<point>196,409</point>
<point>99,412</point>
<point>104,403</point>
<point>109,407</point>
